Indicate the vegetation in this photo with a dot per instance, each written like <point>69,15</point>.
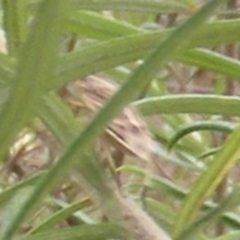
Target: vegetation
<point>62,169</point>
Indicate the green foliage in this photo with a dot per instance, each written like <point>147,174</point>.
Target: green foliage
<point>51,43</point>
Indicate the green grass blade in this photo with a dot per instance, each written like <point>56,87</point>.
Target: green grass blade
<point>190,103</point>
<point>212,61</point>
<point>13,207</point>
<point>111,53</point>
<point>152,6</point>
<point>59,118</point>
<point>156,183</point>
<point>7,193</point>
<point>225,158</point>
<point>92,25</point>
<point>15,23</point>
<point>34,74</point>
<point>118,51</point>
<point>89,232</point>
<point>230,202</point>
<point>221,126</point>
<point>7,68</point>
<point>141,77</point>
<point>60,215</point>
<point>235,235</point>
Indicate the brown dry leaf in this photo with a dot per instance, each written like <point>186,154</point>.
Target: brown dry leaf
<point>127,133</point>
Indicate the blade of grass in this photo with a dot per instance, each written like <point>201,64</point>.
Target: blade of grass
<point>123,50</point>
<point>153,6</point>
<point>213,61</point>
<point>166,50</point>
<point>234,235</point>
<point>60,215</point>
<point>15,23</point>
<point>222,126</point>
<point>6,194</point>
<point>59,118</point>
<point>190,103</point>
<point>162,185</point>
<point>117,51</point>
<point>13,207</point>
<point>7,68</point>
<point>230,202</point>
<point>224,159</point>
<point>90,232</point>
<point>92,25</point>
<point>34,73</point>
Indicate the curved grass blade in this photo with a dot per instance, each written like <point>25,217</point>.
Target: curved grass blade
<point>190,103</point>
<point>221,126</point>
